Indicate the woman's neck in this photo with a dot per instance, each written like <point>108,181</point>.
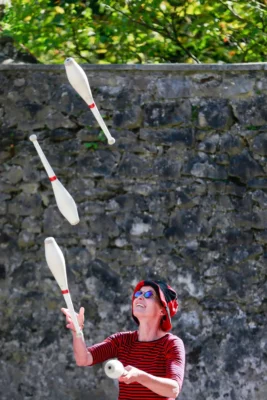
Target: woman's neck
<point>147,332</point>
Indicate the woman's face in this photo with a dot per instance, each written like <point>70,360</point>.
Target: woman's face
<point>147,308</point>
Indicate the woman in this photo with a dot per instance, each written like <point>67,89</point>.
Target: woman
<point>154,360</point>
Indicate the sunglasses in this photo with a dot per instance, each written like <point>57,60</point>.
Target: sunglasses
<point>146,295</point>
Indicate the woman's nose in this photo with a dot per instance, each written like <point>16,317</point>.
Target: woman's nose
<point>141,295</point>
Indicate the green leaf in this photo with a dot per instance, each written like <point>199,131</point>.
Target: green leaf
<point>139,31</point>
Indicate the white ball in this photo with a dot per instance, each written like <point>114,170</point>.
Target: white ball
<point>114,369</point>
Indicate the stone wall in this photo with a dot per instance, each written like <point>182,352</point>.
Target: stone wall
<point>182,195</point>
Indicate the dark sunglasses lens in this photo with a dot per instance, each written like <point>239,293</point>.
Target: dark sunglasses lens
<point>148,294</point>
<point>138,294</point>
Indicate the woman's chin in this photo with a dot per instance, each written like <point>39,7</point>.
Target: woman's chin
<point>138,312</point>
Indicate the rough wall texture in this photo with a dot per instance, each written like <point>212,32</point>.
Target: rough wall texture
<point>181,195</point>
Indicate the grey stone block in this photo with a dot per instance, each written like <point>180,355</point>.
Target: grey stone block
<point>251,111</point>
<point>231,144</point>
<point>128,119</point>
<point>134,166</point>
<point>259,145</point>
<point>25,204</point>
<point>244,167</point>
<point>173,88</point>
<point>214,114</point>
<point>169,136</point>
<point>167,113</point>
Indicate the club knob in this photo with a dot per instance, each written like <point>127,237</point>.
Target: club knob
<point>33,138</point>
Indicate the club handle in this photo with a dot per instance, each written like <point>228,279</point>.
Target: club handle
<point>102,124</point>
<point>48,168</point>
<point>72,312</point>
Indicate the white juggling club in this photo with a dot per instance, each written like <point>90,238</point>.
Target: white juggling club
<point>56,263</point>
<point>114,369</point>
<point>65,202</point>
<point>80,83</point>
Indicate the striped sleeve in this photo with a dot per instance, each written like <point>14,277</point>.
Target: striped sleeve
<point>105,350</point>
<point>175,357</point>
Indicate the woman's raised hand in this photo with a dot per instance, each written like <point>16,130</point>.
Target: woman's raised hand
<point>80,318</point>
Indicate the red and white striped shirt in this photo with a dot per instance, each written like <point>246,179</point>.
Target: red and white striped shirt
<point>164,357</point>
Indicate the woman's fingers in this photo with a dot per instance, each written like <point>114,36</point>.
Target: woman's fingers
<point>65,311</point>
<point>80,317</point>
<point>68,318</point>
<point>81,312</point>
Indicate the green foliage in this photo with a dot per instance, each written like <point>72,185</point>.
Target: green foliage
<point>253,128</point>
<point>194,113</point>
<point>95,144</point>
<point>91,145</point>
<point>140,31</point>
<point>102,137</point>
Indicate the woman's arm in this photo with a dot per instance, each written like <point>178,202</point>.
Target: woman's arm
<point>163,386</point>
<point>83,357</point>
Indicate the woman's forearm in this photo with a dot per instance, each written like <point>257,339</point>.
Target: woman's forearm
<point>82,356</point>
<point>163,386</point>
